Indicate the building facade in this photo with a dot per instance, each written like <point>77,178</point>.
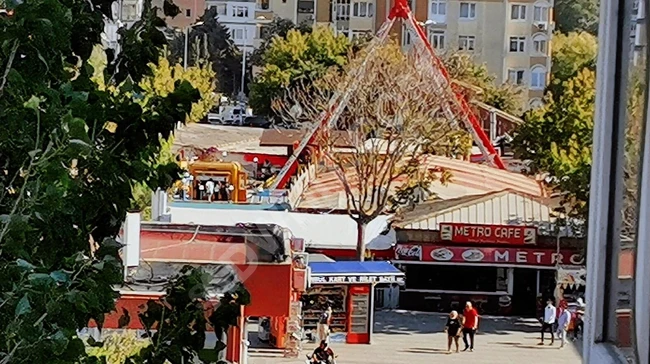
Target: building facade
<point>511,38</point>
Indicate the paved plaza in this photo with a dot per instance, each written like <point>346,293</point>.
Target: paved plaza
<point>417,338</point>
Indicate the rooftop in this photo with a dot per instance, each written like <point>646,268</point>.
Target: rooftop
<point>326,191</point>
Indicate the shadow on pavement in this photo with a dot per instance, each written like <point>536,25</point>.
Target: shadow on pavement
<point>399,322</point>
<point>425,351</point>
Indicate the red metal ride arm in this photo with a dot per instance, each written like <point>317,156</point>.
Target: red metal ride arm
<point>401,9</point>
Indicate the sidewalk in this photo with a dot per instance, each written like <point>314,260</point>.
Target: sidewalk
<point>417,338</point>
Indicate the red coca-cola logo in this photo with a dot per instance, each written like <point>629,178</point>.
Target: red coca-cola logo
<point>408,252</point>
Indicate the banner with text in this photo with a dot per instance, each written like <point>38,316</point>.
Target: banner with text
<point>473,233</point>
<point>514,256</point>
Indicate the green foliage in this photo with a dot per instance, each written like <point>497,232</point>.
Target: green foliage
<point>576,16</point>
<point>557,138</point>
<point>118,347</point>
<point>70,152</point>
<point>179,318</point>
<point>278,28</point>
<point>571,53</point>
<point>200,76</point>
<point>297,60</point>
<point>505,97</point>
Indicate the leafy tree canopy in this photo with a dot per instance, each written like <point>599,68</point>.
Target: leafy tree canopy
<point>571,53</point>
<point>576,16</point>
<point>505,97</point>
<point>298,59</point>
<point>70,152</point>
<point>279,27</point>
<point>557,138</point>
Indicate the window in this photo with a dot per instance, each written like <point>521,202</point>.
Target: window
<point>540,44</point>
<point>363,10</point>
<point>237,34</point>
<point>342,10</point>
<point>516,77</point>
<point>540,14</point>
<point>240,11</point>
<point>467,10</point>
<point>129,12</point>
<point>466,42</point>
<point>188,12</point>
<point>219,9</point>
<point>437,39</point>
<point>438,7</point>
<point>538,78</point>
<point>517,44</point>
<point>518,12</point>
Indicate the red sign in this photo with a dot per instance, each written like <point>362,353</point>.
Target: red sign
<point>511,256</point>
<point>472,233</point>
<point>408,252</point>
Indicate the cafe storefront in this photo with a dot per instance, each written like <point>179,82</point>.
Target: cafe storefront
<point>504,269</point>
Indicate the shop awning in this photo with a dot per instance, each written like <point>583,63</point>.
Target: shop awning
<point>354,273</point>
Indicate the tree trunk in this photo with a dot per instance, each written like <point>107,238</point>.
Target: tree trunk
<point>361,247</point>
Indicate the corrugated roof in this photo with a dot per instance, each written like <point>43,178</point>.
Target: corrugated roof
<point>287,137</point>
<point>497,208</point>
<point>327,192</point>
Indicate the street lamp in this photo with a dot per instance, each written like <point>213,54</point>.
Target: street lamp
<point>187,41</point>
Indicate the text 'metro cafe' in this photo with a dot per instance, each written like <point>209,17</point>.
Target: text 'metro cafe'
<point>504,269</point>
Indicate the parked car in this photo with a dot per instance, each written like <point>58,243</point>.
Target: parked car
<point>257,121</point>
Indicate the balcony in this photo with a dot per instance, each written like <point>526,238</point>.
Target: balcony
<point>305,7</point>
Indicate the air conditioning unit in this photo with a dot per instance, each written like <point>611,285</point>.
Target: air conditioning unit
<point>542,26</point>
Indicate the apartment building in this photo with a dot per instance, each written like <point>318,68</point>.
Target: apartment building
<point>511,38</point>
<point>638,32</point>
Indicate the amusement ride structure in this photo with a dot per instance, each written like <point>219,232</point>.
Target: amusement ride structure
<point>457,110</point>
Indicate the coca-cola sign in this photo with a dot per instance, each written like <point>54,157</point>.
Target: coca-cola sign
<point>408,252</point>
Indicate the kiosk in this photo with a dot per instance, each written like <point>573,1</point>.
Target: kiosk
<point>348,287</point>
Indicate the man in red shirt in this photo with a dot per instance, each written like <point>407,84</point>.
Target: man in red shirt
<point>470,325</point>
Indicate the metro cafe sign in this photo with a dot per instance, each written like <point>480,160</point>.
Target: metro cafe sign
<point>474,233</point>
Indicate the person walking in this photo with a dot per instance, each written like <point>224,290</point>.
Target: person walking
<point>563,325</point>
<point>548,320</point>
<point>324,323</point>
<point>470,325</point>
<point>453,330</point>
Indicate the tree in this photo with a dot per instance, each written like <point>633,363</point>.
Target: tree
<point>557,139</point>
<point>279,27</point>
<point>200,76</point>
<point>571,54</point>
<point>70,152</point>
<point>463,68</point>
<point>394,119</point>
<point>296,61</point>
<point>221,52</point>
<point>576,16</point>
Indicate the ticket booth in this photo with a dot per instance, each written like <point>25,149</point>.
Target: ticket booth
<point>348,287</point>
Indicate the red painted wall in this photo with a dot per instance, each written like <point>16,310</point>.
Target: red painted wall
<point>347,254</point>
<point>276,160</point>
<point>270,288</point>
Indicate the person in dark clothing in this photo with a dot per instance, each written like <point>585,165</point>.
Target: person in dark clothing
<point>322,354</point>
<point>453,330</point>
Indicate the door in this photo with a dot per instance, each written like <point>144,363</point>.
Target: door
<point>524,295</point>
